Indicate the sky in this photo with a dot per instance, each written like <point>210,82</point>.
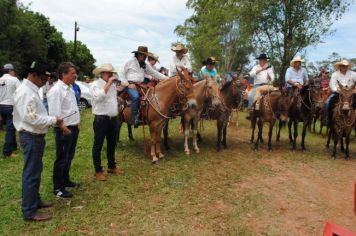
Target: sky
<point>112,29</point>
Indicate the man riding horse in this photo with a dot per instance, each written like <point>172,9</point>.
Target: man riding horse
<point>179,60</point>
<point>132,73</point>
<point>296,75</point>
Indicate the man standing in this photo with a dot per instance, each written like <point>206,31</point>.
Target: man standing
<point>180,59</point>
<point>8,84</point>
<point>63,104</point>
<point>32,122</point>
<point>133,72</point>
<point>105,110</point>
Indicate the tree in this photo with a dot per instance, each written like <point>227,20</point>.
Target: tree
<point>85,60</point>
<point>284,28</point>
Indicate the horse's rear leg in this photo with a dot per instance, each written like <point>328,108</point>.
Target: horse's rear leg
<point>224,135</point>
<point>336,139</point>
<point>195,133</point>
<point>260,129</point>
<point>129,130</point>
<point>119,122</point>
<point>154,158</point>
<point>328,133</point>
<point>219,134</point>
<point>271,124</point>
<point>304,133</point>
<point>279,131</point>
<point>295,135</point>
<point>165,135</point>
<point>253,125</point>
<point>290,131</point>
<point>186,128</point>
<point>347,142</point>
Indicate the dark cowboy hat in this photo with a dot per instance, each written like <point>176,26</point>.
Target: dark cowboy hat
<point>39,67</point>
<point>210,61</point>
<point>262,56</point>
<point>142,50</point>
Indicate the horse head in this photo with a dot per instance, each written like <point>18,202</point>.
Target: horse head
<point>284,104</point>
<point>212,93</point>
<point>346,96</point>
<point>185,86</point>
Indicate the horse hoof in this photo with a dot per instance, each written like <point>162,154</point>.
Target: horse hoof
<point>347,158</point>
<point>304,149</point>
<point>327,146</point>
<point>197,150</point>
<point>160,155</point>
<point>270,149</point>
<point>154,160</point>
<point>187,153</point>
<point>333,157</point>
<point>131,139</point>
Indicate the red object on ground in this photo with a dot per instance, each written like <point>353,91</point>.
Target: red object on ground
<point>335,230</point>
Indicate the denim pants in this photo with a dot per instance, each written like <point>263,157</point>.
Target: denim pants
<point>65,150</point>
<point>135,103</point>
<point>10,143</point>
<point>329,102</point>
<point>252,96</point>
<point>104,127</point>
<point>32,147</point>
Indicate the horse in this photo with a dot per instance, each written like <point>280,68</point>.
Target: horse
<point>274,106</point>
<point>157,107</point>
<point>304,102</point>
<point>206,94</point>
<point>343,120</point>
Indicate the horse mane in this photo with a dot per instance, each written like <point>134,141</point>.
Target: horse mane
<point>225,86</point>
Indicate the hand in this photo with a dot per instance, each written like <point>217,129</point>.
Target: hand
<point>120,88</point>
<point>61,125</point>
<point>111,79</point>
<point>59,121</point>
<point>132,86</point>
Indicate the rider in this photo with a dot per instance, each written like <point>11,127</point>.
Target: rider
<point>208,70</point>
<point>345,76</point>
<point>132,73</point>
<point>180,59</point>
<point>152,59</point>
<point>296,75</point>
<point>262,74</point>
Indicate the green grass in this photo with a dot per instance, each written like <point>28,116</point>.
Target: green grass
<point>196,195</point>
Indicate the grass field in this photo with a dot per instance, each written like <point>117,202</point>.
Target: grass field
<point>234,192</point>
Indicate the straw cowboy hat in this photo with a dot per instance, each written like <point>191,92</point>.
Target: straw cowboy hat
<point>104,68</point>
<point>154,56</point>
<point>342,63</point>
<point>214,59</point>
<point>142,49</point>
<point>296,59</point>
<point>179,47</point>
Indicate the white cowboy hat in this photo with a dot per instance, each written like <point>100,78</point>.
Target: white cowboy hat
<point>107,67</point>
<point>152,55</point>
<point>296,59</point>
<point>342,63</point>
<point>179,47</point>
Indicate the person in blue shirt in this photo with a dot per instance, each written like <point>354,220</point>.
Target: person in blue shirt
<point>77,92</point>
<point>296,75</point>
<point>208,70</point>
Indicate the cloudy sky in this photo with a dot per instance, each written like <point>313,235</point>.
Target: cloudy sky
<point>113,28</point>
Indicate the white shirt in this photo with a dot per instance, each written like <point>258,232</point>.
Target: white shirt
<point>46,88</point>
<point>132,72</point>
<point>176,62</point>
<point>104,103</point>
<point>8,85</point>
<point>150,77</point>
<point>29,112</point>
<point>262,77</point>
<point>296,76</point>
<point>348,79</point>
<point>62,103</point>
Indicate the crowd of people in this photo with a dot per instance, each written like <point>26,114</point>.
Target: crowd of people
<point>23,109</point>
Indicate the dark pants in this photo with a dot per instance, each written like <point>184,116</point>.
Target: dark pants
<point>104,127</point>
<point>33,147</point>
<point>65,149</point>
<point>10,144</point>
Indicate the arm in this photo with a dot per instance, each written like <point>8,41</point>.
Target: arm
<point>253,72</point>
<point>149,70</point>
<point>271,74</point>
<point>122,74</point>
<point>288,77</point>
<point>54,98</point>
<point>333,83</point>
<point>188,65</point>
<point>172,69</point>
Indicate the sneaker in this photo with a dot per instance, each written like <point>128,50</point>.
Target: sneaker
<point>100,176</point>
<point>115,171</point>
<point>71,184</point>
<point>62,193</point>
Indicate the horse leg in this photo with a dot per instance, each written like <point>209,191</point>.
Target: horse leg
<point>336,139</point>
<point>304,133</point>
<point>295,125</point>
<point>158,141</point>
<point>119,122</point>
<point>224,135</point>
<point>186,129</point>
<point>290,131</point>
<point>219,129</point>
<point>314,123</point>
<point>129,130</point>
<point>347,142</point>
<point>195,132</point>
<point>342,148</point>
<point>165,134</point>
<point>329,133</point>
<point>253,125</point>
<point>260,129</point>
<point>154,158</point>
<point>279,131</point>
<point>271,124</point>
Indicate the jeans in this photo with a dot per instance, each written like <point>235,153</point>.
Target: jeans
<point>65,149</point>
<point>252,96</point>
<point>32,147</point>
<point>10,143</point>
<point>135,103</point>
<point>104,127</point>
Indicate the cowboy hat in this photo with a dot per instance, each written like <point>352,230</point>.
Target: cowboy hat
<point>214,59</point>
<point>342,63</point>
<point>296,59</point>
<point>262,56</point>
<point>104,68</point>
<point>179,47</point>
<point>142,50</point>
<point>39,67</point>
<point>210,61</point>
<point>154,56</point>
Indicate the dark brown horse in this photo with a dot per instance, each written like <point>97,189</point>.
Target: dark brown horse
<point>274,106</point>
<point>304,102</point>
<point>159,100</point>
<point>343,120</point>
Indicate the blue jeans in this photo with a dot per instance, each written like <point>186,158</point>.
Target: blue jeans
<point>252,96</point>
<point>32,147</point>
<point>65,150</point>
<point>135,103</point>
<point>327,102</point>
<point>10,143</point>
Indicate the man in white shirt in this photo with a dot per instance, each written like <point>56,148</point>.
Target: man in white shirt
<point>105,110</point>
<point>296,75</point>
<point>180,59</point>
<point>152,59</point>
<point>263,76</point>
<point>346,77</point>
<point>51,80</point>
<point>8,84</point>
<point>62,103</point>
<point>133,72</point>
<point>32,122</point>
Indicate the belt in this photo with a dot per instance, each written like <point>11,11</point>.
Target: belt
<point>106,117</point>
<point>4,105</point>
<point>261,84</point>
<point>33,134</point>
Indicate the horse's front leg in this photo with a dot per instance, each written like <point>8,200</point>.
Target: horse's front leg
<point>259,134</point>
<point>158,140</point>
<point>271,124</point>
<point>290,122</point>
<point>186,128</point>
<point>165,134</point>
<point>219,133</point>
<point>295,135</point>
<point>305,125</point>
<point>195,132</point>
<point>336,139</point>
<point>154,158</point>
<point>129,130</point>
<point>329,132</point>
<point>279,131</point>
<point>224,135</point>
<point>253,125</point>
<point>347,142</point>
<point>119,124</point>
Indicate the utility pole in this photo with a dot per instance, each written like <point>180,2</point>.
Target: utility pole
<point>76,29</point>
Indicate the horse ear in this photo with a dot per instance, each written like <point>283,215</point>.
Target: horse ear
<point>340,85</point>
<point>180,72</point>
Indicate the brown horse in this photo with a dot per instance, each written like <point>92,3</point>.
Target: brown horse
<point>206,94</point>
<point>274,106</point>
<point>343,120</point>
<point>159,100</point>
<point>304,102</point>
